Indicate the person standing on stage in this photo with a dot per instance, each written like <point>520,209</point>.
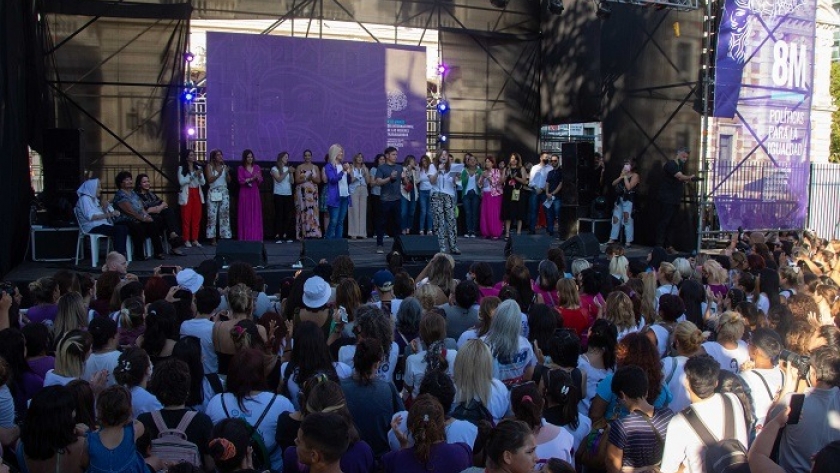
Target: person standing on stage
<point>249,215</point>
<point>284,206</point>
<point>491,184</point>
<point>357,213</point>
<point>190,178</point>
<point>536,181</point>
<point>388,178</point>
<point>596,177</point>
<point>217,175</point>
<point>443,203</point>
<point>471,193</point>
<point>671,194</point>
<point>625,194</point>
<point>306,198</point>
<point>514,204</point>
<point>553,186</point>
<point>338,190</point>
<point>426,168</point>
<point>408,203</point>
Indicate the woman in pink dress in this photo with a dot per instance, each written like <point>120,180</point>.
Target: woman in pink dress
<point>491,199</point>
<point>249,217</point>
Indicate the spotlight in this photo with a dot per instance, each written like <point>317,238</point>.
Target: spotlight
<point>442,138</point>
<point>500,3</point>
<point>188,56</point>
<point>441,69</point>
<point>604,11</point>
<point>443,107</point>
<point>556,7</point>
<point>188,96</point>
<point>190,131</point>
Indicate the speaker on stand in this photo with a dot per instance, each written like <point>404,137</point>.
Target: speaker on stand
<point>582,245</point>
<point>313,251</point>
<point>416,247</point>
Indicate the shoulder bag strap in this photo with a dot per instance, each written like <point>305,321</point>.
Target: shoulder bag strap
<point>728,418</point>
<point>766,386</point>
<point>224,407</point>
<point>673,370</point>
<point>185,421</point>
<point>699,428</point>
<point>159,422</point>
<point>650,423</point>
<point>265,412</point>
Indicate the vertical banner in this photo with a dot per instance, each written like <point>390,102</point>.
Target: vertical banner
<point>762,101</point>
<point>277,93</point>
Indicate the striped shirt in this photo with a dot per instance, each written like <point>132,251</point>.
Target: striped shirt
<point>634,436</point>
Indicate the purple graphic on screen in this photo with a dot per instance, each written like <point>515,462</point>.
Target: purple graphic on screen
<point>763,87</point>
<point>276,93</point>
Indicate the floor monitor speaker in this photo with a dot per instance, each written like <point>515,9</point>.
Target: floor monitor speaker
<point>530,247</point>
<point>582,245</point>
<point>416,247</point>
<point>231,251</point>
<point>313,251</point>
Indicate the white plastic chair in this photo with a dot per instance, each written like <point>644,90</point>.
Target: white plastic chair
<point>94,244</point>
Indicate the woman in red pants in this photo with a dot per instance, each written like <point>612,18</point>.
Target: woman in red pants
<point>190,198</point>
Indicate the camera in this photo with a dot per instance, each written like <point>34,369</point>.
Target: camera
<point>802,363</point>
<point>8,288</point>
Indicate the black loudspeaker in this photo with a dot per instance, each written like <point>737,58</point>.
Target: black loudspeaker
<point>62,160</point>
<point>313,251</point>
<point>416,247</point>
<point>231,251</point>
<point>530,247</point>
<point>577,161</point>
<point>582,245</point>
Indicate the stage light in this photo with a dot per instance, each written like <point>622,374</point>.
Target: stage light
<point>188,96</point>
<point>500,3</point>
<point>442,138</point>
<point>190,131</point>
<point>189,56</point>
<point>443,107</point>
<point>604,11</point>
<point>442,69</point>
<point>556,6</point>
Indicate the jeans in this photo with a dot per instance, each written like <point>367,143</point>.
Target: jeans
<point>389,214</point>
<point>425,210</point>
<point>553,214</point>
<point>534,209</point>
<point>407,209</point>
<point>471,208</point>
<point>337,216</point>
<point>622,207</point>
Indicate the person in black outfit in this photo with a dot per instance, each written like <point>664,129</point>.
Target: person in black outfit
<point>671,193</point>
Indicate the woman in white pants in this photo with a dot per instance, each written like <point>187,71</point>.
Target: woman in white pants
<point>625,191</point>
<point>357,214</point>
<point>217,175</point>
<point>443,204</point>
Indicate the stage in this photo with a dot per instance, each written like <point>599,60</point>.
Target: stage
<point>282,256</point>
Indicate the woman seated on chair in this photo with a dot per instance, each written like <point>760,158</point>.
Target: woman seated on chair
<point>164,217</point>
<point>94,218</point>
<point>140,223</point>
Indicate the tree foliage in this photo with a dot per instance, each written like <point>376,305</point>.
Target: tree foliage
<point>835,117</point>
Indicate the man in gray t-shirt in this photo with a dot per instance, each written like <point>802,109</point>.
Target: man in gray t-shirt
<point>388,178</point>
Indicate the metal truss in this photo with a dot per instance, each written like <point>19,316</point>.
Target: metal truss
<point>682,5</point>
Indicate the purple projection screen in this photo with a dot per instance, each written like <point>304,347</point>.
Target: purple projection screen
<point>763,87</point>
<point>277,93</point>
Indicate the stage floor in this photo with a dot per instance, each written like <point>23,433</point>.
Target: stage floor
<point>281,257</point>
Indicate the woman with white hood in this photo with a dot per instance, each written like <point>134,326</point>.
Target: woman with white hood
<point>94,218</point>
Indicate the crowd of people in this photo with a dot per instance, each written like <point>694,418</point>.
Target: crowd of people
<point>696,364</point>
<point>341,198</point>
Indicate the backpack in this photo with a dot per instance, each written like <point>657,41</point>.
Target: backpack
<point>172,445</point>
<point>261,455</point>
<point>473,412</point>
<point>727,455</point>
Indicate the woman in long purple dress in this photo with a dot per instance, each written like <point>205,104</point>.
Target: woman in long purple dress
<point>250,206</point>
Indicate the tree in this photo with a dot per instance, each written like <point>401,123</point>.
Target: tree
<point>834,155</point>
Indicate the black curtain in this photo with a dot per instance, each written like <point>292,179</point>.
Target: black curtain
<point>21,97</point>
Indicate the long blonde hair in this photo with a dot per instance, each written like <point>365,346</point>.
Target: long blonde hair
<point>618,267</point>
<point>619,310</point>
<point>473,372</point>
<point>715,272</point>
<point>71,313</point>
<point>72,352</point>
<point>567,294</point>
<point>669,273</point>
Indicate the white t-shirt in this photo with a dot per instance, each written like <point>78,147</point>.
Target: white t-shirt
<point>763,303</point>
<point>516,366</point>
<point>583,429</point>
<point>593,377</point>
<point>386,368</point>
<point>415,369</point>
<point>343,371</point>
<point>97,362</point>
<point>284,187</point>
<point>143,401</point>
<point>682,445</point>
<point>253,410</point>
<point>203,330</point>
<point>664,289</point>
<point>423,183</point>
<point>762,400</point>
<point>52,379</point>
<point>559,447</point>
<point>457,431</point>
<point>730,360</point>
<point>7,407</point>
<point>676,384</point>
<point>444,183</point>
<point>468,335</point>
